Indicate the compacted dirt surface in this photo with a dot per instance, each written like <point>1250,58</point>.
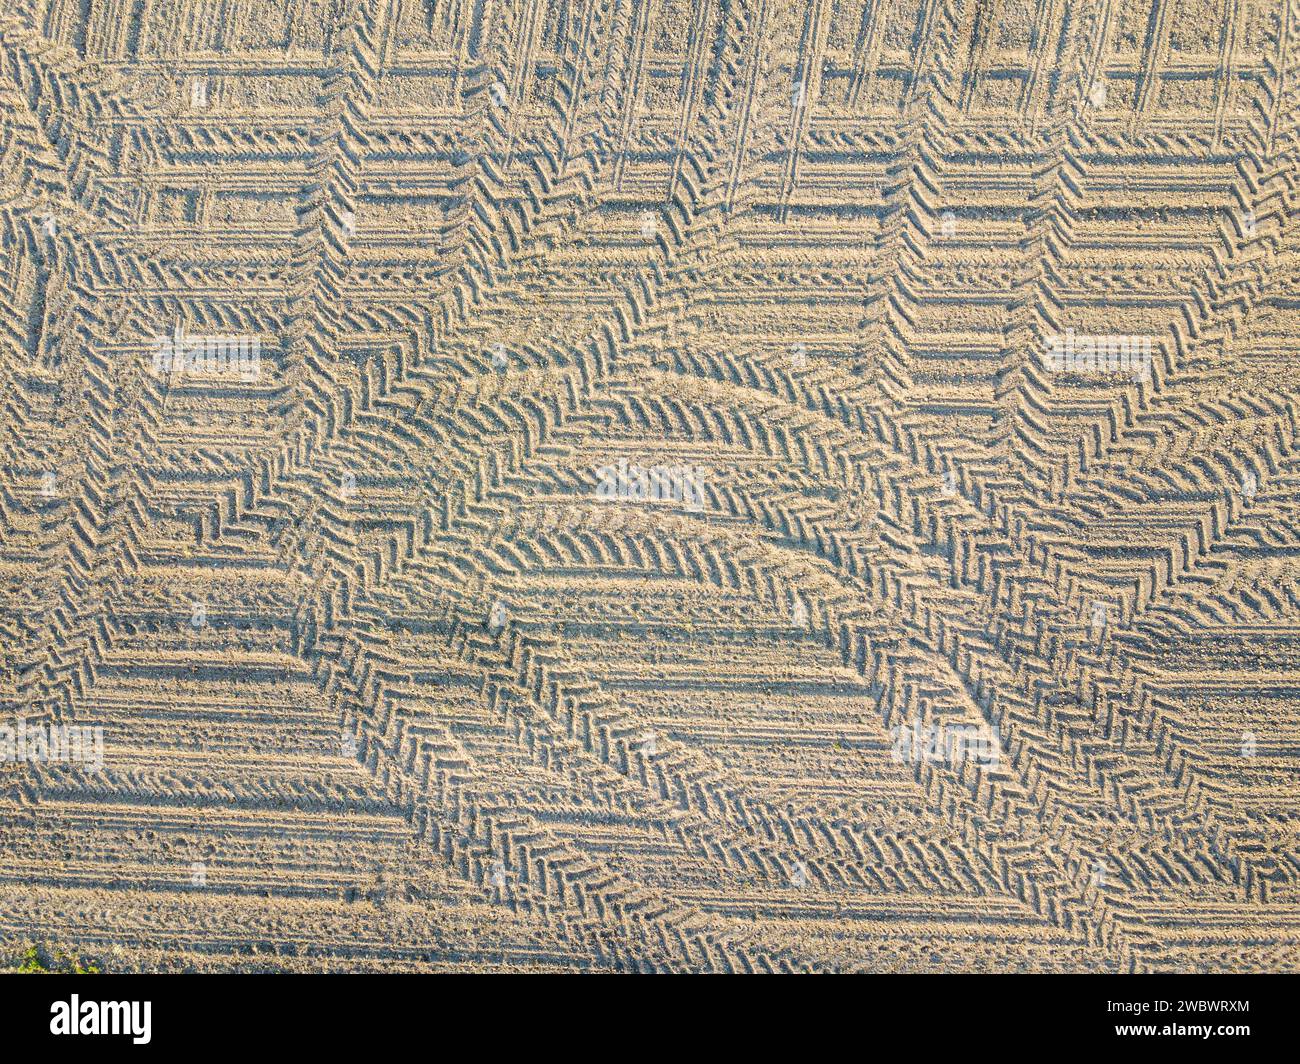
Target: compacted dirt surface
<point>642,485</point>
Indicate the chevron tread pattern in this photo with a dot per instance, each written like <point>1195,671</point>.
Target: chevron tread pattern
<point>388,681</point>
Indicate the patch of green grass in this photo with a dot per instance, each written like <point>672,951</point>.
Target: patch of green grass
<point>36,960</point>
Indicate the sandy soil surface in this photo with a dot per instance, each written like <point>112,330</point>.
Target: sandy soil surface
<point>648,485</point>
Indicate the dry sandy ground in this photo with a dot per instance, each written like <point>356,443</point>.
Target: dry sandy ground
<point>650,485</point>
